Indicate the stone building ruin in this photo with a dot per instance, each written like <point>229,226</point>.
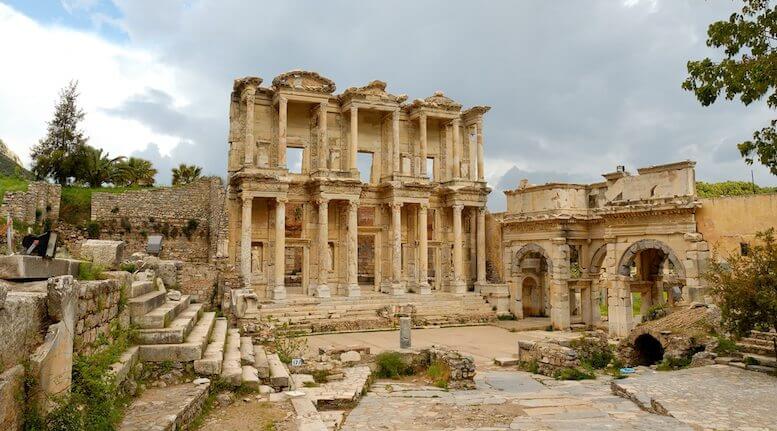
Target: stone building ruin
<point>336,194</point>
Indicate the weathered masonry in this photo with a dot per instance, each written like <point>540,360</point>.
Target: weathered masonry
<point>565,246</point>
<point>333,194</point>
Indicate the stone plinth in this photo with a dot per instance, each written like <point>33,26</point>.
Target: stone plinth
<point>22,267</point>
<point>103,252</point>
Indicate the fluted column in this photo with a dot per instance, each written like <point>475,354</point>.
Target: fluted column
<point>422,129</point>
<point>323,143</point>
<point>423,252</point>
<point>249,94</point>
<point>279,290</point>
<point>245,240</point>
<point>456,148</point>
<point>396,242</point>
<point>322,290</point>
<point>353,144</point>
<point>458,281</point>
<point>481,246</point>
<point>395,141</point>
<point>353,250</point>
<point>282,111</point>
<point>481,169</point>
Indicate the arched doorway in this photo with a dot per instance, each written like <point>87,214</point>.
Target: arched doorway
<point>647,350</point>
<point>531,297</point>
<point>652,267</point>
<point>531,266</point>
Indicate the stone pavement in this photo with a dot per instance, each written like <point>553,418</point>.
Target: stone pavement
<point>503,400</point>
<point>717,396</point>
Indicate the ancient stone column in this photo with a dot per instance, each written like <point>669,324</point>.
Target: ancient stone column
<point>395,140</point>
<point>456,148</point>
<point>405,323</point>
<point>279,290</point>
<point>481,246</point>
<point>396,242</point>
<point>586,305</point>
<point>322,290</point>
<point>245,240</point>
<point>323,144</point>
<point>559,285</point>
<point>481,169</point>
<point>422,128</point>
<point>249,95</point>
<point>620,319</point>
<point>282,110</point>
<point>423,252</point>
<point>457,246</point>
<point>353,144</point>
<point>353,250</point>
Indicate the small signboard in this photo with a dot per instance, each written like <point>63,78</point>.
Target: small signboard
<point>296,362</point>
<point>154,245</point>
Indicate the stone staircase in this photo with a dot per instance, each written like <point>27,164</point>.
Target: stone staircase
<point>759,347</point>
<point>374,310</point>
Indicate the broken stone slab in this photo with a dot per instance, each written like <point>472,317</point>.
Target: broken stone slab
<point>173,295</point>
<point>405,323</point>
<point>350,357</point>
<point>335,350</point>
<point>506,362</point>
<point>103,252</point>
<point>23,267</point>
<point>243,301</point>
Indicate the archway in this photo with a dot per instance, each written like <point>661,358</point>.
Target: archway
<point>661,250</point>
<point>647,350</point>
<point>649,264</point>
<point>531,297</point>
<point>531,265</point>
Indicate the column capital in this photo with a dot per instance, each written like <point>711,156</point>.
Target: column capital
<point>395,205</point>
<point>456,121</point>
<point>246,196</point>
<point>322,201</point>
<point>424,205</point>
<point>353,205</point>
<point>282,200</point>
<point>481,210</point>
<point>457,207</point>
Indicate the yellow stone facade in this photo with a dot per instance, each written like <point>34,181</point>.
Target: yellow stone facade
<point>411,220</point>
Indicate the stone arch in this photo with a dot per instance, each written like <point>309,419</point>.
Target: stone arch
<point>648,244</point>
<point>533,248</point>
<point>597,259</point>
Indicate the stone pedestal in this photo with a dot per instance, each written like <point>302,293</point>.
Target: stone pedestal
<point>405,323</point>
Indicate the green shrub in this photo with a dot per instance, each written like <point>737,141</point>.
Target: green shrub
<point>509,316</point>
<point>725,346</point>
<point>570,373</point>
<point>288,346</point>
<point>128,266</point>
<point>673,363</point>
<point>749,360</point>
<point>593,352</point>
<point>93,229</point>
<point>655,312</point>
<point>90,271</point>
<point>531,366</point>
<point>440,374</point>
<point>190,228</point>
<point>392,365</point>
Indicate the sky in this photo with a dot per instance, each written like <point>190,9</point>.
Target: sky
<point>576,87</point>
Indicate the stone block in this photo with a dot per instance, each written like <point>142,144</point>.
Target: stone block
<point>11,385</point>
<point>169,271</point>
<point>106,253</point>
<point>3,294</point>
<point>350,357</point>
<point>35,267</point>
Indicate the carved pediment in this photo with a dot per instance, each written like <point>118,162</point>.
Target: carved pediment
<point>437,101</point>
<point>374,91</point>
<point>249,82</point>
<point>305,81</point>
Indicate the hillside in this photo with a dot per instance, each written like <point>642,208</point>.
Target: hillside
<point>10,164</point>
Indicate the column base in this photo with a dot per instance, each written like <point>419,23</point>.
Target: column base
<point>322,291</point>
<point>480,286</point>
<point>393,288</point>
<point>279,293</point>
<point>456,286</point>
<point>353,290</point>
<point>424,289</point>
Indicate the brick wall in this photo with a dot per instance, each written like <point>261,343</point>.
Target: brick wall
<point>98,307</point>
<point>40,201</point>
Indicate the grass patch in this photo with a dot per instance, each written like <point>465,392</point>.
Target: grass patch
<point>439,373</point>
<point>391,365</point>
<point>90,271</point>
<point>593,352</point>
<point>570,373</point>
<point>12,184</point>
<point>128,266</point>
<point>531,366</point>
<point>509,316</point>
<point>671,363</point>
<point>288,345</point>
<point>726,346</point>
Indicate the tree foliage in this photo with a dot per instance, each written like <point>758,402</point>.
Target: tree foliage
<point>135,172</point>
<point>185,174</point>
<point>95,168</point>
<point>746,286</point>
<point>53,157</point>
<point>730,188</point>
<point>748,71</point>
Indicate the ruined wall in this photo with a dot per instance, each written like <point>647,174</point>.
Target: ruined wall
<point>22,325</point>
<point>494,260</point>
<point>198,279</point>
<point>189,217</point>
<point>40,201</point>
<point>98,307</point>
<point>727,222</point>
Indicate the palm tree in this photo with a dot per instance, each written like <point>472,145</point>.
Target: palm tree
<point>94,168</point>
<point>135,172</point>
<point>185,174</point>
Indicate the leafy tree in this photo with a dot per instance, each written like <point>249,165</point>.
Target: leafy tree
<point>52,157</point>
<point>135,172</point>
<point>746,286</point>
<point>95,168</point>
<point>747,71</point>
<point>730,188</point>
<point>185,174</point>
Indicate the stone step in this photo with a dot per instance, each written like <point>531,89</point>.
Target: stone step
<point>163,315</point>
<point>755,348</point>
<point>121,368</point>
<point>190,350</point>
<point>250,377</point>
<point>279,375</point>
<point>177,331</point>
<point>246,351</point>
<point>142,304</point>
<point>260,362</point>
<point>139,288</point>
<point>757,341</point>
<point>231,370</point>
<point>766,361</point>
<point>307,418</point>
<point>333,419</point>
<point>165,409</point>
<point>210,364</point>
<point>762,335</point>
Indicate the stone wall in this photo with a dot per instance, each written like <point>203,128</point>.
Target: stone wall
<point>22,325</point>
<point>462,367</point>
<point>728,222</point>
<point>549,357</point>
<point>98,307</point>
<point>198,279</point>
<point>40,201</point>
<point>191,218</point>
<point>494,271</point>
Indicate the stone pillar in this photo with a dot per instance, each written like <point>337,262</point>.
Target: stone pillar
<point>620,319</point>
<point>456,148</point>
<point>481,169</point>
<point>405,323</point>
<point>323,144</point>
<point>393,284</point>
<point>457,283</point>
<point>249,94</point>
<point>395,141</point>
<point>481,246</point>
<point>353,144</point>
<point>559,285</point>
<point>422,129</point>
<point>423,252</point>
<point>352,288</point>
<point>245,240</point>
<point>282,110</point>
<point>586,305</point>
<point>322,290</point>
<point>279,290</point>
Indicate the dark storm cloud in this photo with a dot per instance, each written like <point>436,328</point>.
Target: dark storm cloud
<point>576,87</point>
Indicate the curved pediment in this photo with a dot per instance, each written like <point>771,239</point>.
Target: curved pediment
<point>374,91</point>
<point>241,84</point>
<point>437,101</point>
<point>305,81</point>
